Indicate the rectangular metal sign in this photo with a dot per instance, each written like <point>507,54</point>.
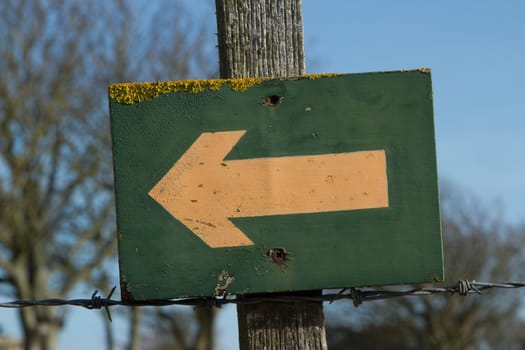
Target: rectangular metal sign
<point>250,185</point>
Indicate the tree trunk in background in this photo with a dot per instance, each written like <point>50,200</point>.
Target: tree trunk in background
<point>108,334</point>
<point>134,331</point>
<point>205,317</point>
<point>41,328</point>
<point>264,38</point>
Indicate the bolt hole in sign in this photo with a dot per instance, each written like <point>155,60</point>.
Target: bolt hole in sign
<point>252,185</point>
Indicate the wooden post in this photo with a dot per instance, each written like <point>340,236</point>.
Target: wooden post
<point>260,38</point>
<point>264,38</point>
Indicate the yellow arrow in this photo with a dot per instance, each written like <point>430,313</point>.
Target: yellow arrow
<point>202,190</point>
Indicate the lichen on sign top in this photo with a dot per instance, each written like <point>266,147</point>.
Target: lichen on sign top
<point>129,93</point>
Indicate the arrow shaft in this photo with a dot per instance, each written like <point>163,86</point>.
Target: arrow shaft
<point>302,184</point>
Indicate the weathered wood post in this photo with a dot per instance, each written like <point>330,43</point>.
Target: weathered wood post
<point>264,38</point>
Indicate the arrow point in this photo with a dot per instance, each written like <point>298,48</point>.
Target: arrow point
<point>205,218</point>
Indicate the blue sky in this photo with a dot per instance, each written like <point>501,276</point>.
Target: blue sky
<point>475,49</point>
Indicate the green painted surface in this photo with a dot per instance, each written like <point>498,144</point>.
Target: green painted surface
<point>161,258</point>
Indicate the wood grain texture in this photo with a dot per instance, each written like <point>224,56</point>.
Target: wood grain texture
<point>260,38</point>
<point>282,326</point>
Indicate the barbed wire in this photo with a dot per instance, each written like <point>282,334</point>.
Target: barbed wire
<point>356,295</point>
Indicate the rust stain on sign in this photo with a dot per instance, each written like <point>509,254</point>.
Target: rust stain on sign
<point>203,186</point>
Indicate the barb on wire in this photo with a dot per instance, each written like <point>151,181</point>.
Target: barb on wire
<point>357,296</point>
<point>97,302</point>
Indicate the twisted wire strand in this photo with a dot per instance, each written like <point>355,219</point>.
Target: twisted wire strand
<point>356,295</point>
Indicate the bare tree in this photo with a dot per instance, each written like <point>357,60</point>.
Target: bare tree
<point>477,245</point>
<point>173,328</point>
<point>56,206</point>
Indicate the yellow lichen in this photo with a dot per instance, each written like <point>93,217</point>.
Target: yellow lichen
<point>242,84</point>
<point>129,93</point>
<point>322,75</point>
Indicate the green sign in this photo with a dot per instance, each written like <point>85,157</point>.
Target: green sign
<point>249,185</point>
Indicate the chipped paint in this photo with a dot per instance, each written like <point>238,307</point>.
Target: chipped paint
<point>124,292</point>
<point>224,280</point>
